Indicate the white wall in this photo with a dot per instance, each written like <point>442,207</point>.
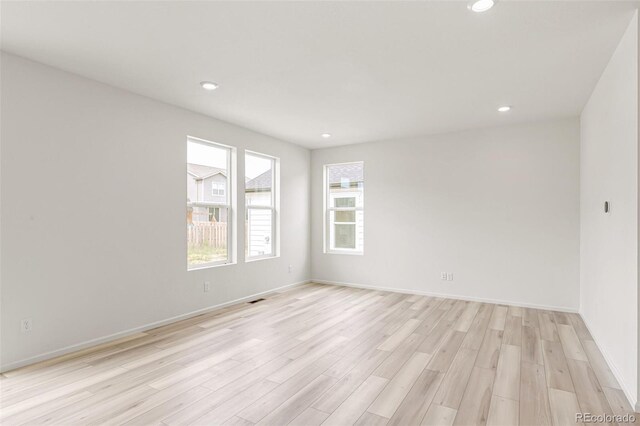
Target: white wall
<point>497,207</point>
<point>78,258</point>
<point>609,242</point>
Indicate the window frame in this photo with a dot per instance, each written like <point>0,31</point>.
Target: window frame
<point>329,209</point>
<point>274,207</point>
<point>229,205</point>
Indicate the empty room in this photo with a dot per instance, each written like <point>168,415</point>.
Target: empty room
<point>395,213</point>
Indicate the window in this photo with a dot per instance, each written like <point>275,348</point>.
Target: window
<point>209,210</point>
<point>261,191</point>
<point>217,188</point>
<point>344,208</point>
<point>214,214</point>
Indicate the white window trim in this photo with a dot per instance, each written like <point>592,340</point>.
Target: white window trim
<point>274,207</point>
<point>328,209</point>
<point>229,205</point>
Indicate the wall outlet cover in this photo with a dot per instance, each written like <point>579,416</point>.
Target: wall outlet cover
<point>26,325</point>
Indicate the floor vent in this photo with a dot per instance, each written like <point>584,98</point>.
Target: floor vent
<point>257,300</point>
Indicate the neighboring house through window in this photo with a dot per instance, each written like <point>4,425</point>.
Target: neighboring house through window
<point>209,210</point>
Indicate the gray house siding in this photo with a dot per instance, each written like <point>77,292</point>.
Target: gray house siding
<point>192,188</point>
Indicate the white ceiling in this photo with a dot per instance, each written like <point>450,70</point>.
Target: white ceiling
<point>362,71</point>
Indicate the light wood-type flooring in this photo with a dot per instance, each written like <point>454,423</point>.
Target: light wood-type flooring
<point>319,354</point>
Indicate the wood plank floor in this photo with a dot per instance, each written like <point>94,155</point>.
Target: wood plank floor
<point>320,354</point>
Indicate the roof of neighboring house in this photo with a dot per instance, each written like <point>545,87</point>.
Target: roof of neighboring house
<point>202,172</point>
<point>260,182</point>
<point>353,171</point>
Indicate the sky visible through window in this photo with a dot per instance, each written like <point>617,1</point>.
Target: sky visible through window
<point>204,155</point>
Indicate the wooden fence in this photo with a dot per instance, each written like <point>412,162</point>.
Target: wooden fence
<point>213,234</point>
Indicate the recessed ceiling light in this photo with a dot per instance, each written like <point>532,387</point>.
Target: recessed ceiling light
<point>209,85</point>
<point>481,5</point>
<point>504,108</point>
<point>326,135</point>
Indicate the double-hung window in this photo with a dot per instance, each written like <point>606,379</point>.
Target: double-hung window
<point>344,208</point>
<point>261,201</point>
<point>209,207</point>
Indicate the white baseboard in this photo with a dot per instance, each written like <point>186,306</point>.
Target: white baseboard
<point>105,339</point>
<point>448,296</point>
<point>616,373</point>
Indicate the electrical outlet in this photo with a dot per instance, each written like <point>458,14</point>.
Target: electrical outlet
<point>443,276</point>
<point>26,325</point>
<point>207,286</point>
<point>290,268</point>
<point>450,276</point>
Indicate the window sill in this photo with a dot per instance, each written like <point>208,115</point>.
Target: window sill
<point>257,259</point>
<point>207,266</point>
<point>350,253</point>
